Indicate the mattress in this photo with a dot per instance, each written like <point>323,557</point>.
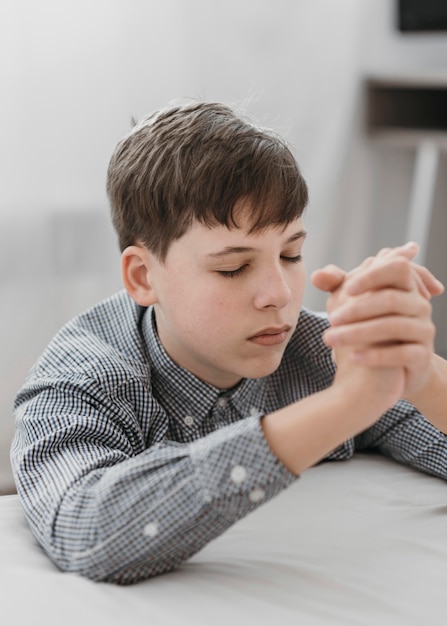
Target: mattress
<point>361,542</point>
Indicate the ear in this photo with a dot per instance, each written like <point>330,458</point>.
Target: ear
<point>136,264</point>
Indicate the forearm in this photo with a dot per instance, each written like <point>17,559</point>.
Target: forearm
<point>305,432</point>
<point>431,400</point>
<point>147,514</point>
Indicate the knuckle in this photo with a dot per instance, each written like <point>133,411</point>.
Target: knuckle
<point>383,252</point>
<point>391,297</point>
<point>426,308</point>
<point>399,327</point>
<point>367,262</point>
<point>431,331</point>
<point>402,265</point>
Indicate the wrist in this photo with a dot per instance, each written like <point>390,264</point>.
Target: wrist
<point>431,399</point>
<point>375,389</point>
<point>433,385</point>
<point>305,432</point>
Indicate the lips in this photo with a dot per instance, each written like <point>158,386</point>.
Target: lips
<point>273,335</point>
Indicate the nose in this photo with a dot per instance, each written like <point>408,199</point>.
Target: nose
<point>272,290</point>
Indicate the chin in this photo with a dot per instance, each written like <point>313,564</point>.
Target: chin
<point>264,369</point>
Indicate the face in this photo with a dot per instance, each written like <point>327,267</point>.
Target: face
<point>228,302</point>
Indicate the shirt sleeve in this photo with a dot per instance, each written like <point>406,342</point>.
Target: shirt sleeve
<point>100,509</point>
<point>406,436</point>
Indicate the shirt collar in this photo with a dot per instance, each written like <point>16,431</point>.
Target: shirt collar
<point>177,387</point>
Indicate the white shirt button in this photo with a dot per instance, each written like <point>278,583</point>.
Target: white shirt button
<point>238,474</point>
<point>254,410</point>
<point>222,402</point>
<point>256,495</point>
<point>188,420</point>
<point>150,530</point>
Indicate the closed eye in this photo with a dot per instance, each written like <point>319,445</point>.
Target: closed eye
<point>233,273</point>
<point>292,259</point>
<point>242,268</point>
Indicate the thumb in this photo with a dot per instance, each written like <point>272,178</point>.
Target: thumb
<point>328,278</point>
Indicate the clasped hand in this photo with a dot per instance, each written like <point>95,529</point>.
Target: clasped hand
<point>380,315</point>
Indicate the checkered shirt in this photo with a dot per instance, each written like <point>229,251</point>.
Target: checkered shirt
<point>127,464</point>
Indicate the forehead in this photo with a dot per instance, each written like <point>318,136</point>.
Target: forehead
<point>212,242</point>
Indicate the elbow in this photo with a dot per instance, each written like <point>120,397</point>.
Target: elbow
<point>117,559</point>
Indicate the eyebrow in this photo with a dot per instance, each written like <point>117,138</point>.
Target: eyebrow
<point>240,249</point>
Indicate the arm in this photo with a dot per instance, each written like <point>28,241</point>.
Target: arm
<point>382,341</point>
<point>112,498</point>
<point>431,399</point>
<point>303,433</point>
<point>406,436</point>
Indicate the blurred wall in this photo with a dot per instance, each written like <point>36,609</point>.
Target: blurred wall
<point>74,73</point>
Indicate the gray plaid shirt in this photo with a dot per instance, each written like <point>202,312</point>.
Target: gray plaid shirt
<point>127,464</point>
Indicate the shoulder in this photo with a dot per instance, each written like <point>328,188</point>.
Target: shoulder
<point>93,380</point>
<point>103,343</point>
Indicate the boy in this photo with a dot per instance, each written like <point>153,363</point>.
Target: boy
<point>161,416</point>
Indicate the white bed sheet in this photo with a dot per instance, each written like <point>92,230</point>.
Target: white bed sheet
<point>362,542</point>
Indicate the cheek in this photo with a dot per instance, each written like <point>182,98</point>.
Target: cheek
<point>297,284</point>
<point>299,292</point>
<point>214,313</point>
<point>202,306</point>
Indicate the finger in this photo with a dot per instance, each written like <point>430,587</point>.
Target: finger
<point>328,278</point>
<point>393,272</point>
<point>391,329</point>
<point>384,252</point>
<point>427,284</point>
<point>409,250</point>
<point>378,304</point>
<point>431,283</point>
<point>421,287</point>
<point>363,265</point>
<point>400,355</point>
<point>331,277</point>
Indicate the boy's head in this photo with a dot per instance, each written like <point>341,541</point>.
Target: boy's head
<point>208,211</point>
<point>196,163</point>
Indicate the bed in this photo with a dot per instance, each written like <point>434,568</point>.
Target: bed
<point>361,542</point>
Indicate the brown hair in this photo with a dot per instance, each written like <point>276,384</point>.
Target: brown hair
<point>195,162</point>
